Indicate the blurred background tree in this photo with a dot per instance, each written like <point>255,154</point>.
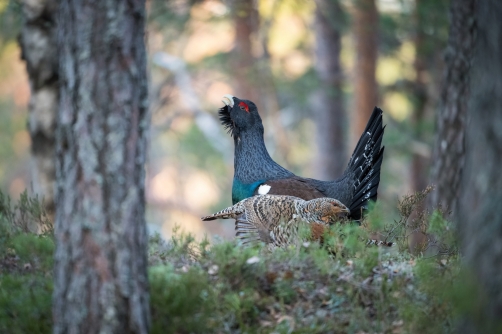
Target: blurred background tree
<point>365,29</point>
<point>481,185</point>
<point>14,96</point>
<point>38,49</point>
<point>329,110</point>
<point>291,56</point>
<point>427,15</point>
<point>449,146</point>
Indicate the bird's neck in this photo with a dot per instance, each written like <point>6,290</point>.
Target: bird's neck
<point>252,161</point>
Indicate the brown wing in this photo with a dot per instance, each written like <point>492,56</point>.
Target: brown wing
<point>293,186</point>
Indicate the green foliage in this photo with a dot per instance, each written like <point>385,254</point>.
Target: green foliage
<point>34,248</point>
<point>341,285</point>
<point>25,266</point>
<point>27,215</point>
<point>183,302</point>
<point>25,303</point>
<point>10,20</point>
<point>429,297</point>
<point>171,17</point>
<point>198,152</point>
<point>305,289</point>
<point>437,234</point>
<point>390,29</point>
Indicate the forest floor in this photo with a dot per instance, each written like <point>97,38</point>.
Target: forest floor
<point>343,286</point>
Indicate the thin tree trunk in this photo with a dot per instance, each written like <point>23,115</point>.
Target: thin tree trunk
<point>38,45</point>
<point>246,22</point>
<point>478,211</point>
<point>329,113</point>
<point>419,163</point>
<point>252,75</point>
<point>365,20</point>
<point>449,147</point>
<point>100,280</point>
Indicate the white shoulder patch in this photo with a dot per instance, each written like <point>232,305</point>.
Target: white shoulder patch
<point>264,189</point>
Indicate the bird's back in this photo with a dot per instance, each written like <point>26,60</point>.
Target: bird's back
<point>359,183</point>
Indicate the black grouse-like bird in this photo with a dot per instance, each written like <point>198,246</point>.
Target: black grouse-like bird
<point>256,173</point>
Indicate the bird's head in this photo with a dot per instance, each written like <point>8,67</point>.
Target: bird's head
<point>326,209</point>
<point>239,116</point>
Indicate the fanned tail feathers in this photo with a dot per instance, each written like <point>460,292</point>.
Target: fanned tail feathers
<point>365,164</point>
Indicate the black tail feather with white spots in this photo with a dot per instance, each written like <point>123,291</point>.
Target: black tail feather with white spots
<point>379,243</point>
<point>365,165</point>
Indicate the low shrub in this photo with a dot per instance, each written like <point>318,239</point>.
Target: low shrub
<point>340,286</point>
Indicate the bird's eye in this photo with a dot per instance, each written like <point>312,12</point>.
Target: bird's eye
<point>244,106</point>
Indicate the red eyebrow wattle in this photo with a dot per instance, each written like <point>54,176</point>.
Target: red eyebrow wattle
<point>244,105</point>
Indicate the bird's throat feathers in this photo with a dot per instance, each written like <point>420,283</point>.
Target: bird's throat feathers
<point>252,163</point>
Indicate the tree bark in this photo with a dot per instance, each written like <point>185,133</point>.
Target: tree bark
<point>419,163</point>
<point>449,150</point>
<point>365,20</point>
<point>100,279</point>
<point>38,45</point>
<point>252,74</point>
<point>246,22</point>
<point>329,113</point>
<point>425,52</point>
<point>478,211</point>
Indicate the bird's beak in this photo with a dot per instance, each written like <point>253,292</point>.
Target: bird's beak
<point>228,100</point>
<point>340,208</point>
<point>344,209</point>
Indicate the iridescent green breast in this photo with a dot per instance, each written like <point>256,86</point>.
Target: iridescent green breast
<point>242,191</point>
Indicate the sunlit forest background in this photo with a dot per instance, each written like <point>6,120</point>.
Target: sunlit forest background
<point>265,52</point>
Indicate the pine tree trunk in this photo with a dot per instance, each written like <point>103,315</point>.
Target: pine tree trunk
<point>38,45</point>
<point>246,22</point>
<point>100,280</point>
<point>419,163</point>
<point>449,150</point>
<point>252,75</point>
<point>478,211</point>
<point>365,22</point>
<point>329,113</point>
